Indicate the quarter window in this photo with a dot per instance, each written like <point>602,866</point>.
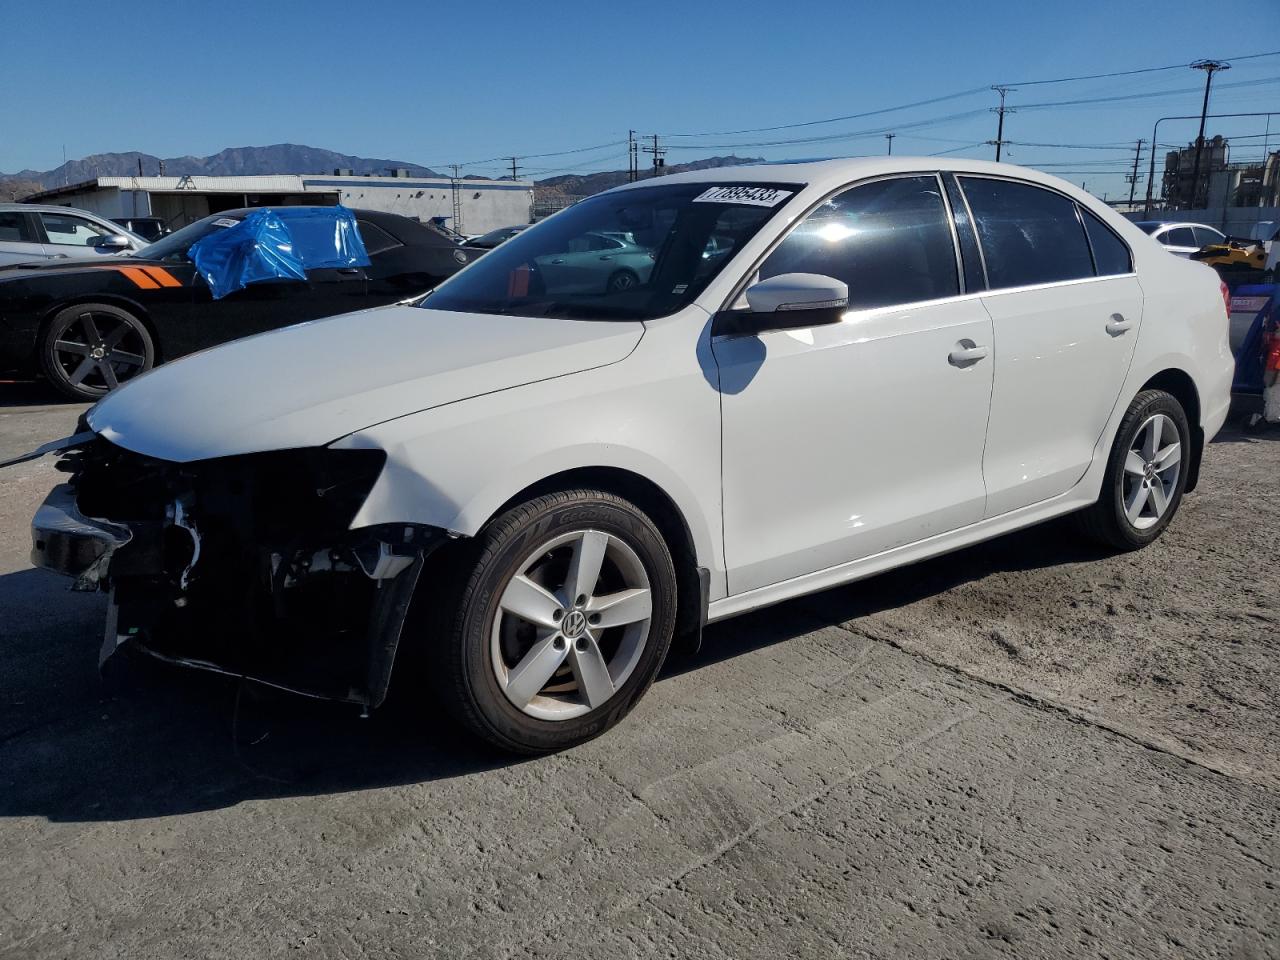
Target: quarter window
<point>1206,235</point>
<point>890,241</point>
<point>15,229</point>
<point>1110,255</point>
<point>1028,235</point>
<point>72,231</point>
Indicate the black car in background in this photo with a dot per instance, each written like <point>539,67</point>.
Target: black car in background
<point>89,326</point>
<point>149,229</point>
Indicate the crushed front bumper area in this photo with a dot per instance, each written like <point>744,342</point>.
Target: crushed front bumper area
<point>244,566</point>
<point>65,541</point>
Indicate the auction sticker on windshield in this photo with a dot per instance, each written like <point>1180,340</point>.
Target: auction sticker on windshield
<point>752,196</point>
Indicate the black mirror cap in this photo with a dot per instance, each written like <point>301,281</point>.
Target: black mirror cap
<point>745,323</point>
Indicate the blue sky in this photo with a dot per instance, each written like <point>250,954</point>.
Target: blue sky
<point>439,83</point>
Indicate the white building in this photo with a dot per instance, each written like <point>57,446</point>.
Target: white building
<point>468,206</point>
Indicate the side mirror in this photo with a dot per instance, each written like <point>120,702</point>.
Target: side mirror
<point>113,241</point>
<point>792,300</point>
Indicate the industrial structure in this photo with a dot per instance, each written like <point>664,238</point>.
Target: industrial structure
<point>1218,182</point>
<point>468,205</point>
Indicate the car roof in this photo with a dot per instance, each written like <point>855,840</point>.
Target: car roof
<point>405,229</point>
<point>834,173</point>
<point>48,208</point>
<point>1174,223</point>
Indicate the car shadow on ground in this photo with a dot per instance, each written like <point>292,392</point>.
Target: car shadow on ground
<point>31,393</point>
<point>153,740</point>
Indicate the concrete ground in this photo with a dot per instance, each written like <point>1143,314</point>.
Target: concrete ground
<point>1025,749</point>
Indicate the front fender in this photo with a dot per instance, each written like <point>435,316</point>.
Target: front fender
<point>455,466</point>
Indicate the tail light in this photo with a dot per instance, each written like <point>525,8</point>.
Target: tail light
<point>1226,296</point>
<point>1271,352</point>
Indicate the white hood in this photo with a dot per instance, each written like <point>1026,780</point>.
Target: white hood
<point>307,385</point>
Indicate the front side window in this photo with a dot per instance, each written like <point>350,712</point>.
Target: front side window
<point>889,240</point>
<point>1110,255</point>
<point>15,229</point>
<point>635,254</point>
<point>71,231</point>
<point>1178,237</point>
<point>1029,235</point>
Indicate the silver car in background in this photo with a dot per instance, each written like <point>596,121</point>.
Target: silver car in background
<point>1181,239</point>
<point>33,232</point>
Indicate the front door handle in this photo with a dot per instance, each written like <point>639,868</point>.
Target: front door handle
<point>606,257</point>
<point>558,260</point>
<point>966,354</point>
<point>1117,324</point>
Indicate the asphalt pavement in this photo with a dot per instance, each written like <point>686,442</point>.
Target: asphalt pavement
<point>1028,748</point>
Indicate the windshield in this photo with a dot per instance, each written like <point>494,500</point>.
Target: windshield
<point>629,255</point>
<point>174,247</point>
<point>1149,226</point>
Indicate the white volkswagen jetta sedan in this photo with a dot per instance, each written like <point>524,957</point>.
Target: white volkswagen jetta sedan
<point>542,483</point>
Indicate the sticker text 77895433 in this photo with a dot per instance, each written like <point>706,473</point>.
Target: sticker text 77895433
<point>752,196</point>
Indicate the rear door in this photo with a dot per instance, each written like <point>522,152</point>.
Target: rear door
<point>19,238</point>
<point>1066,307</point>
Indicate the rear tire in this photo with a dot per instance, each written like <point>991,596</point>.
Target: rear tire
<point>1146,474</point>
<point>89,349</point>
<point>548,638</point>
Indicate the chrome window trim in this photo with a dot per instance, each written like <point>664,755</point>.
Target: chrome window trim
<point>961,283</point>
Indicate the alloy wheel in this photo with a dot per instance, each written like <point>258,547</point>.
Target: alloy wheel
<point>97,351</point>
<point>571,625</point>
<point>1152,468</point>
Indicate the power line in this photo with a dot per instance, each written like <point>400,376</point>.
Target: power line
<point>849,116</point>
<point>1129,73</point>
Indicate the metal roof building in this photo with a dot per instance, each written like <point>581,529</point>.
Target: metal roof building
<point>469,206</point>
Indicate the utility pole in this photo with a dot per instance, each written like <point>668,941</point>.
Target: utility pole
<point>633,158</point>
<point>514,169</point>
<point>1133,177</point>
<point>889,137</point>
<point>658,152</point>
<point>1210,67</point>
<point>1001,110</point>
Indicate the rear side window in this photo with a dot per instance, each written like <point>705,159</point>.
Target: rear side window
<point>376,240</point>
<point>890,241</point>
<point>1110,255</point>
<point>1028,235</point>
<point>15,229</point>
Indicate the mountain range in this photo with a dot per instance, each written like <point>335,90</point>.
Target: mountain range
<point>289,158</point>
<point>234,161</point>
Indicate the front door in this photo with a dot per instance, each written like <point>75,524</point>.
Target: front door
<point>1066,308</point>
<point>846,440</point>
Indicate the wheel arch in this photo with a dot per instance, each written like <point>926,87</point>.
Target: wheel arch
<point>693,582</point>
<point>110,299</point>
<point>1179,383</point>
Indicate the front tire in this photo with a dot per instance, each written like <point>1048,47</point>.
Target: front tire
<point>1146,474</point>
<point>562,622</point>
<point>89,349</point>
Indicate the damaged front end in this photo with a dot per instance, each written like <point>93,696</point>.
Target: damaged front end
<point>243,565</point>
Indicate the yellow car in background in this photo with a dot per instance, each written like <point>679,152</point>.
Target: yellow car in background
<point>1233,256</point>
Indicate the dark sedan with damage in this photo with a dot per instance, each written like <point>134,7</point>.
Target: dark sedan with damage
<point>88,327</point>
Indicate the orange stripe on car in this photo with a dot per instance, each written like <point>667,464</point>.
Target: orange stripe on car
<point>140,278</point>
<point>162,276</point>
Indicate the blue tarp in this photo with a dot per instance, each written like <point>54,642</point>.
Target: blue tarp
<point>278,244</point>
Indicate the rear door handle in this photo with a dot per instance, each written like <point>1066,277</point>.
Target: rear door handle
<point>966,354</point>
<point>1118,324</point>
